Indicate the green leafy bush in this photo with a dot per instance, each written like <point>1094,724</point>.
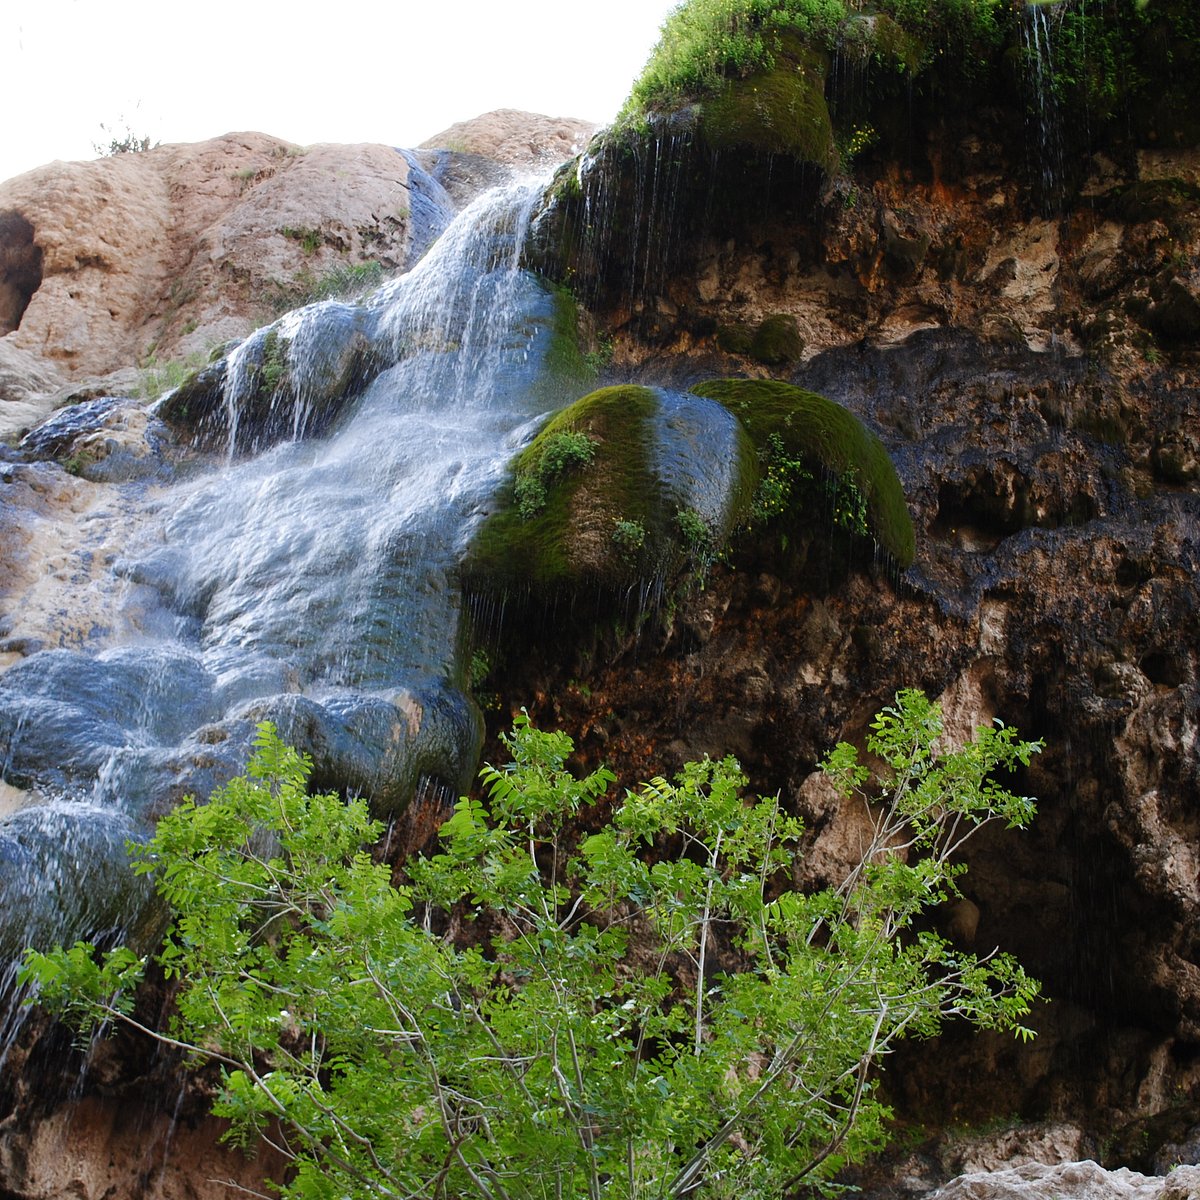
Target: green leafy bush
<point>650,1012</point>
<point>630,536</point>
<point>156,377</point>
<point>566,449</point>
<point>705,42</point>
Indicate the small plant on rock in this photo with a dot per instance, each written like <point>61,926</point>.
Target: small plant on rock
<point>564,451</point>
<point>629,536</point>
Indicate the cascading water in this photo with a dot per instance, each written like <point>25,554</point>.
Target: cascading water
<point>1039,57</point>
<point>312,585</point>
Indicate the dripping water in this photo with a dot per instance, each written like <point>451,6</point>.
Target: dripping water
<point>1044,114</point>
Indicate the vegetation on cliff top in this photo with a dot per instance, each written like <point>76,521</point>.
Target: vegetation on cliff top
<point>1093,61</point>
<point>651,1011</point>
<point>706,43</point>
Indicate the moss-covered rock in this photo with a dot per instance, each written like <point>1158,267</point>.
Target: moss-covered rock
<point>633,484</point>
<point>797,431</point>
<point>774,342</point>
<point>568,535</point>
<point>777,341</point>
<point>736,338</point>
<point>566,371</point>
<point>626,484</point>
<point>778,111</point>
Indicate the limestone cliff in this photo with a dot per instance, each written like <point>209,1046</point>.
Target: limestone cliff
<point>1030,363</point>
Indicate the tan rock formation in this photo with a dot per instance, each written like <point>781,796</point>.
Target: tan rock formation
<point>515,138</point>
<point>162,254</point>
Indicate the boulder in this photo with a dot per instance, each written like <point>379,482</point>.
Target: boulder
<point>518,140</point>
<point>1072,1181</point>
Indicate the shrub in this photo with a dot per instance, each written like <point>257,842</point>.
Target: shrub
<point>121,141</point>
<point>630,536</point>
<point>566,449</point>
<point>343,281</point>
<point>649,1012</point>
<point>156,377</point>
<point>557,453</point>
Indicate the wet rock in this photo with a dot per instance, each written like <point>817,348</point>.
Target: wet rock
<point>1176,456</point>
<point>108,440</point>
<point>384,746</point>
<point>291,379</point>
<point>905,246</point>
<point>1174,311</point>
<point>26,384</point>
<point>65,715</point>
<point>66,875</point>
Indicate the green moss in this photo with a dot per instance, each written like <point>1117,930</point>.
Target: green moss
<point>274,362</point>
<point>705,42</point>
<point>773,342</point>
<point>566,369</point>
<point>735,339</point>
<point>777,341</point>
<point>569,538</point>
<point>890,41</point>
<point>809,428</point>
<point>780,111</point>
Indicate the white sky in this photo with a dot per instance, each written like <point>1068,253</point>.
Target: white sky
<point>343,71</point>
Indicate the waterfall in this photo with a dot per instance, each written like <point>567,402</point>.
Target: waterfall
<point>1044,115</point>
<point>312,584</point>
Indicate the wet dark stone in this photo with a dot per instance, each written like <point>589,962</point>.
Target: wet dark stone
<point>20,269</point>
<point>55,435</point>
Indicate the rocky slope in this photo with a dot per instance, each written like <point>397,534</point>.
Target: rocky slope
<point>154,260</point>
<point>1028,353</point>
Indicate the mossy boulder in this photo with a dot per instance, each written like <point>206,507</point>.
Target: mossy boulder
<point>635,484</point>
<point>799,433</point>
<point>777,341</point>
<point>623,485</point>
<point>774,342</point>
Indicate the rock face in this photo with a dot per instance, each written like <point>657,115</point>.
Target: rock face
<point>171,250</point>
<point>1030,369</point>
<point>1072,1181</point>
<point>159,256</point>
